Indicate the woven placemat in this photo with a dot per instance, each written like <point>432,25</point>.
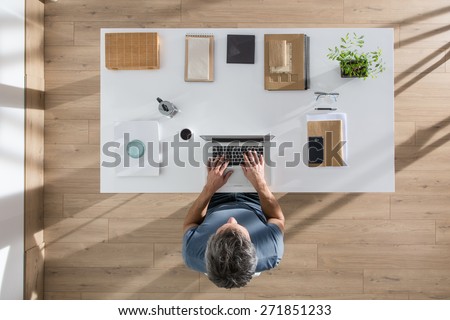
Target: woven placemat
<point>132,51</point>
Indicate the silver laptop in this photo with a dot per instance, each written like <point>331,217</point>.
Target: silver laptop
<point>233,147</point>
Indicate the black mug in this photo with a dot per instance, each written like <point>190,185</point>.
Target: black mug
<point>186,134</point>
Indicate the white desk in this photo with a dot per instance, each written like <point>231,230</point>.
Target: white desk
<point>236,103</point>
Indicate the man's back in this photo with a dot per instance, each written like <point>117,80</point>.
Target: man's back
<point>266,237</point>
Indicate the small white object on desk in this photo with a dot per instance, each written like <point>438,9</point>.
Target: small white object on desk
<point>134,161</point>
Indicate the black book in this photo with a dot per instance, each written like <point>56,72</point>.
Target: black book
<point>240,48</point>
<point>307,72</point>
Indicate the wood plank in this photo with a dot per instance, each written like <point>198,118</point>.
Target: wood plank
<point>297,255</point>
<point>362,11</point>
<point>423,85</point>
<point>434,134</point>
<point>429,36</point>
<point>94,132</point>
<point>145,230</point>
<point>384,256</point>
<point>424,109</point>
<point>326,11</point>
<point>326,296</point>
<point>414,60</point>
<point>162,296</point>
<point>121,279</point>
<point>407,280</point>
<point>72,82</point>
<point>34,38</point>
<point>301,24</point>
<point>443,231</point>
<point>34,271</point>
<point>75,230</point>
<point>34,153</point>
<point>428,296</point>
<point>361,232</point>
<point>72,156</point>
<point>72,58</point>
<point>165,205</point>
<point>62,295</point>
<point>422,158</point>
<point>168,255</point>
<point>72,180</point>
<point>87,33</point>
<point>298,280</point>
<point>447,64</point>
<point>66,131</point>
<point>84,254</point>
<point>111,10</point>
<point>405,133</point>
<point>53,205</point>
<point>334,206</point>
<point>420,207</point>
<point>59,33</point>
<point>72,107</point>
<point>409,182</point>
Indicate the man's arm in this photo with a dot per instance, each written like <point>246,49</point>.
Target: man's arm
<point>216,179</point>
<point>254,171</point>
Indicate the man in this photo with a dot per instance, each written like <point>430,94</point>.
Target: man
<point>231,236</point>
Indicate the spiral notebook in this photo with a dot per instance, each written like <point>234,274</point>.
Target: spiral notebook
<point>199,54</point>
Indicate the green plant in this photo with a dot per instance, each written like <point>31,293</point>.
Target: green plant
<point>353,61</point>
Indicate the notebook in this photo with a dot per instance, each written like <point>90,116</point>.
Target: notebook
<point>199,58</point>
<point>132,51</point>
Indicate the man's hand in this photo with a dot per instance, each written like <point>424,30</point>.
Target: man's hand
<point>254,171</point>
<point>216,174</point>
<point>253,168</point>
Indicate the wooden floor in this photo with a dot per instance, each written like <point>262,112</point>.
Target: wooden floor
<point>338,246</point>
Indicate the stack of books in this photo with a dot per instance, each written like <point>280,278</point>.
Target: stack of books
<point>327,140</point>
<point>286,62</point>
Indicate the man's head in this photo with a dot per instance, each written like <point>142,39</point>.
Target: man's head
<point>230,256</point>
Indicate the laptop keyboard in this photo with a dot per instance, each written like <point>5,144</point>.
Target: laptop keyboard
<point>235,154</point>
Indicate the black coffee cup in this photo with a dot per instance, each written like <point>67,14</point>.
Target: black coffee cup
<point>186,134</point>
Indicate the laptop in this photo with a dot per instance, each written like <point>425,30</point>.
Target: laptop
<point>233,148</point>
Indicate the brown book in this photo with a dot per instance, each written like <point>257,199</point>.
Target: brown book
<point>331,132</point>
<point>132,51</point>
<point>286,62</point>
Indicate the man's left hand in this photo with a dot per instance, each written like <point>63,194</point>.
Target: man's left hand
<point>216,174</point>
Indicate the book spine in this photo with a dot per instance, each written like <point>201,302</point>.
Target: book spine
<point>306,52</point>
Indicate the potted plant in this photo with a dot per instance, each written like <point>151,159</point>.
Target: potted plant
<point>354,62</point>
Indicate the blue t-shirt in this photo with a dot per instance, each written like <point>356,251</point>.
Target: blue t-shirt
<point>266,237</point>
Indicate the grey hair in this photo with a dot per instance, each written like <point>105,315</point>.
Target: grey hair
<point>230,259</point>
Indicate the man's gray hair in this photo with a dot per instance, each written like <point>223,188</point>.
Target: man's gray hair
<point>230,259</point>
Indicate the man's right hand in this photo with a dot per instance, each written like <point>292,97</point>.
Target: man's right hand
<point>253,168</point>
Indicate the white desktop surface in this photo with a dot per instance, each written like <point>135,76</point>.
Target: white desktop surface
<point>236,104</point>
